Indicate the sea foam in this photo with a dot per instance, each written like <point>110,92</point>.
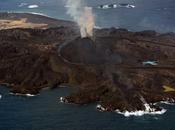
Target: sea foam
<point>167,103</point>
<point>141,112</point>
<point>33,6</point>
<point>63,100</point>
<point>19,94</point>
<point>22,4</point>
<point>148,111</point>
<point>113,6</point>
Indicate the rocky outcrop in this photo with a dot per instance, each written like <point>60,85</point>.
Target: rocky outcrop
<point>107,68</point>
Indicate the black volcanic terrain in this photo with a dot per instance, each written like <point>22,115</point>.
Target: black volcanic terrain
<point>116,67</point>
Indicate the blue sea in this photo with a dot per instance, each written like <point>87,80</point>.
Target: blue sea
<point>147,15</point>
<point>45,112</point>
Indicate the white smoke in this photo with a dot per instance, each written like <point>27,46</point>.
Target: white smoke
<point>82,15</point>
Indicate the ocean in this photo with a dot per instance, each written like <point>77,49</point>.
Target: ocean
<point>147,15</point>
<point>45,112</point>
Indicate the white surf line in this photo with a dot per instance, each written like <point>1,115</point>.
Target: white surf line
<point>35,13</point>
<point>33,6</point>
<point>147,111</point>
<point>113,6</point>
<point>45,15</point>
<point>168,101</point>
<point>19,94</point>
<point>97,27</point>
<point>100,108</point>
<point>63,100</point>
<point>22,4</point>
<point>41,14</point>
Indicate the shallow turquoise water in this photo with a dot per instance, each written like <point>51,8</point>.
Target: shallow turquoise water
<point>44,112</point>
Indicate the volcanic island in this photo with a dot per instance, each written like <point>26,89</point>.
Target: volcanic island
<point>118,69</point>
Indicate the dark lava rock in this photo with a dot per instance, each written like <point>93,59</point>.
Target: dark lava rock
<point>86,51</point>
<point>108,68</point>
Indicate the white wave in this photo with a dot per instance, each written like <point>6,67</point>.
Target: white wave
<point>148,111</point>
<point>22,4</point>
<point>19,94</point>
<point>100,108</point>
<point>41,14</point>
<point>141,113</point>
<point>98,27</point>
<point>129,6</point>
<point>104,7</point>
<point>0,96</point>
<point>167,103</point>
<point>30,95</point>
<point>113,6</point>
<point>63,100</point>
<point>132,6</point>
<point>33,6</point>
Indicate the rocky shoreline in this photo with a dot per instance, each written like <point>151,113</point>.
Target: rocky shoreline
<point>119,69</point>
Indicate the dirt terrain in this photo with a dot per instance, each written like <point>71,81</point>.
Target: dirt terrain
<point>22,23</point>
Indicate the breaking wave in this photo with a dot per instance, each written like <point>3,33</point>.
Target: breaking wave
<point>22,4</point>
<point>148,111</point>
<point>33,6</point>
<point>19,94</point>
<point>113,6</point>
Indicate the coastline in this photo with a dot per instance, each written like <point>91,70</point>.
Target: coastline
<point>26,95</point>
<point>37,18</point>
<point>148,110</point>
<point>106,77</point>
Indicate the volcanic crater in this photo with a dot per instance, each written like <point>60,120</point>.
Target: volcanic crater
<point>87,51</point>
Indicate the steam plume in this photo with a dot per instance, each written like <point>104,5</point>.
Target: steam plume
<point>82,15</point>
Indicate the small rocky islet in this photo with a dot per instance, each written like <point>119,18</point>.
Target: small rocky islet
<point>119,69</point>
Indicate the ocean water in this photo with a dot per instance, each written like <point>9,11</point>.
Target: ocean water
<point>45,112</point>
<point>147,15</point>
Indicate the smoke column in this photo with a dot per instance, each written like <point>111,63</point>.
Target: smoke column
<point>83,16</point>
